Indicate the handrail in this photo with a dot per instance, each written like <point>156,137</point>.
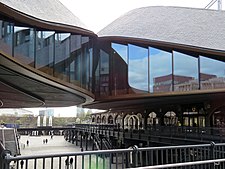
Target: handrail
<point>215,162</point>
<point>129,156</point>
<point>101,152</point>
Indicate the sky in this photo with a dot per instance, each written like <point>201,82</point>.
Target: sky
<point>96,14</point>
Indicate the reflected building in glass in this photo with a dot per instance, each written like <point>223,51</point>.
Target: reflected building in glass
<point>151,66</point>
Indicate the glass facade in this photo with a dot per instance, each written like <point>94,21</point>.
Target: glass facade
<point>63,55</point>
<point>24,44</point>
<point>45,51</point>
<point>107,68</point>
<point>212,73</point>
<point>6,37</point>
<point>185,72</point>
<point>138,69</point>
<point>160,70</point>
<point>132,69</point>
<point>119,69</point>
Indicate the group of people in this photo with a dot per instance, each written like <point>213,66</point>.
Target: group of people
<point>45,141</point>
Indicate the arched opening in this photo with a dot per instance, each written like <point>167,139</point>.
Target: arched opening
<point>132,122</point>
<point>98,119</point>
<point>119,121</point>
<point>110,119</point>
<point>152,119</point>
<point>104,120</point>
<point>170,119</point>
<point>218,117</point>
<point>93,120</point>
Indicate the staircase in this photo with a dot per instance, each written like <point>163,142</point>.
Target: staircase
<point>9,139</point>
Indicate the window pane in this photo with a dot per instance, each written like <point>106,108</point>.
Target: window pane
<point>160,70</point>
<point>24,44</point>
<point>6,37</point>
<point>85,62</point>
<point>120,69</point>
<point>62,51</point>
<point>45,51</point>
<point>121,50</point>
<point>185,72</point>
<point>212,73</point>
<point>138,69</point>
<point>75,55</point>
<point>104,73</point>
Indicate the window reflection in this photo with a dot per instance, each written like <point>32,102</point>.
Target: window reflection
<point>138,69</point>
<point>212,77</point>
<point>104,73</point>
<point>185,72</point>
<point>120,50</point>
<point>6,36</point>
<point>120,69</point>
<point>75,55</point>
<point>24,39</point>
<point>85,62</point>
<point>62,52</point>
<point>160,70</point>
<point>45,51</point>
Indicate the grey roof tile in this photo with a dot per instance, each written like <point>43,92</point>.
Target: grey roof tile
<point>48,10</point>
<point>187,26</point>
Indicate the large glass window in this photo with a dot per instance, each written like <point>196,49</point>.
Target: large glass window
<point>120,69</point>
<point>104,73</point>
<point>45,51</point>
<point>75,57</point>
<point>6,37</point>
<point>85,62</point>
<point>212,73</point>
<point>24,40</point>
<point>160,70</point>
<point>138,69</point>
<point>185,72</point>
<point>62,53</point>
<point>120,50</point>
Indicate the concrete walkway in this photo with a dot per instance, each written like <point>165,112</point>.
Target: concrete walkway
<point>55,145</point>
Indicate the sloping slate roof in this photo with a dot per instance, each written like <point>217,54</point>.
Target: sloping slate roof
<point>186,26</point>
<point>48,10</point>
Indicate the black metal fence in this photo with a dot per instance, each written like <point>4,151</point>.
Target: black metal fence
<point>123,158</point>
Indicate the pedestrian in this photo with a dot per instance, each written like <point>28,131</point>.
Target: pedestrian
<point>71,162</point>
<point>27,142</point>
<point>67,163</point>
<point>46,140</point>
<point>43,141</point>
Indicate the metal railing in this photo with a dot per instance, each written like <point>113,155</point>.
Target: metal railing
<point>122,158</point>
<point>198,134</point>
<point>206,164</point>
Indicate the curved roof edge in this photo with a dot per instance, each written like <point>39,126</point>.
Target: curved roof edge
<point>43,13</point>
<point>195,27</point>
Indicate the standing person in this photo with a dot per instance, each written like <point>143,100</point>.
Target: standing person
<point>27,142</point>
<point>71,162</point>
<point>46,140</point>
<point>67,163</point>
<point>43,141</point>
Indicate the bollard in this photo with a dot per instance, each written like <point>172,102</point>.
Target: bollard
<point>212,153</point>
<point>135,156</point>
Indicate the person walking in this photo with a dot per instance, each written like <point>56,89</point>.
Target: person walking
<point>27,142</point>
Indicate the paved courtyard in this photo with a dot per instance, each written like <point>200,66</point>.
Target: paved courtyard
<point>36,146</point>
<point>57,145</point>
